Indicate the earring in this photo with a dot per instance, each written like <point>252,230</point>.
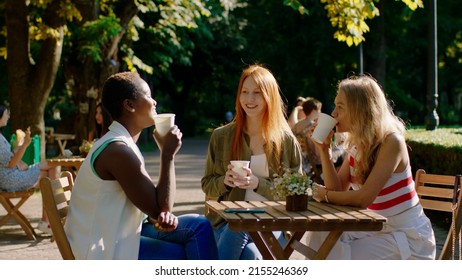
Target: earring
<point>132,110</point>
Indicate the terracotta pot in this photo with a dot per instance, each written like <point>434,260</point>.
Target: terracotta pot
<point>298,202</point>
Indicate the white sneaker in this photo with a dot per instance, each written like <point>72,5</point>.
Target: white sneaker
<point>44,227</point>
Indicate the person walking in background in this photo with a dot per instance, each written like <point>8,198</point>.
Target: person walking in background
<point>258,133</point>
<point>15,174</point>
<point>102,122</point>
<point>376,174</point>
<point>113,190</point>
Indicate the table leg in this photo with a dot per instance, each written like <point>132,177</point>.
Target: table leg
<point>261,245</point>
<point>328,244</point>
<point>62,146</point>
<point>291,244</point>
<point>269,246</point>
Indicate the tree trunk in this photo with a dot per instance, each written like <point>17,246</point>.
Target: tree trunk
<point>86,77</point>
<point>29,83</point>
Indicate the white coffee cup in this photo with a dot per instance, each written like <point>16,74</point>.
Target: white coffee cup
<point>325,125</point>
<point>164,122</point>
<point>237,167</point>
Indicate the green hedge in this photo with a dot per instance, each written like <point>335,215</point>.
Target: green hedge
<point>437,151</point>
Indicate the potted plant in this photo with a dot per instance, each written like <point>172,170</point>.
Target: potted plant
<point>295,188</point>
<point>85,147</point>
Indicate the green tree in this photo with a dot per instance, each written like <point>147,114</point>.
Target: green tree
<point>102,44</point>
<point>31,69</point>
<point>97,37</point>
<point>349,16</point>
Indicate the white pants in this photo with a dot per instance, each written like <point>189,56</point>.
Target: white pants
<point>408,235</point>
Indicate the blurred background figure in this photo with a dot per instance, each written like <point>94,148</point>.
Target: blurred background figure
<point>311,161</point>
<point>15,174</point>
<point>297,113</point>
<point>228,116</point>
<point>102,122</point>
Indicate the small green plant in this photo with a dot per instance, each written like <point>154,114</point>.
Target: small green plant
<point>291,183</point>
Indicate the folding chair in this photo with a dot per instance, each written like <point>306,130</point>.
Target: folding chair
<point>56,195</point>
<point>442,193</point>
<point>13,211</point>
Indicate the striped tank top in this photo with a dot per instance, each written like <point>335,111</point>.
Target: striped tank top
<point>397,195</point>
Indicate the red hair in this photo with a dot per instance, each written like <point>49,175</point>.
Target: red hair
<point>274,122</point>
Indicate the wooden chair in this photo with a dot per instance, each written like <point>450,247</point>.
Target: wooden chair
<point>442,193</point>
<point>56,195</point>
<point>13,211</point>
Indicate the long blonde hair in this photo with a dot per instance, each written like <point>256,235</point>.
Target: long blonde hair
<point>371,118</point>
<point>274,123</point>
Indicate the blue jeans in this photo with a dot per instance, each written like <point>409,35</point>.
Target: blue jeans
<point>193,240</point>
<point>234,245</point>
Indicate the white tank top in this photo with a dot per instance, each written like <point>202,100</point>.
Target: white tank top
<point>102,223</point>
<point>259,167</point>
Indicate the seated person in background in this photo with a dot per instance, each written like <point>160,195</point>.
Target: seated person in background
<point>376,175</point>
<point>102,122</point>
<point>311,161</point>
<point>113,190</point>
<point>297,113</point>
<point>16,175</point>
<point>258,133</point>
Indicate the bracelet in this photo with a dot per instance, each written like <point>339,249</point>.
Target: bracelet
<point>326,199</point>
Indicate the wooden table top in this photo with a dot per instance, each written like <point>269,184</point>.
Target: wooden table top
<point>62,136</point>
<point>318,217</point>
<point>75,161</point>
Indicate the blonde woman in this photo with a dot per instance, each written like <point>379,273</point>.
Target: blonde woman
<point>376,175</point>
<point>258,133</point>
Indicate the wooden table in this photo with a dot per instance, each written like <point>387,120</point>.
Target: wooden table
<point>71,163</point>
<point>62,140</point>
<point>319,217</point>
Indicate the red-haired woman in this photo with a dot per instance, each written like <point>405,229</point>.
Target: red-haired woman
<point>259,133</point>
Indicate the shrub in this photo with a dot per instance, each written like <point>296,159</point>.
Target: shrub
<point>437,151</point>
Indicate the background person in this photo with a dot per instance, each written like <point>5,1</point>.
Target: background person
<point>113,189</point>
<point>376,174</point>
<point>258,133</point>
<point>15,174</point>
<point>311,161</point>
<point>297,113</point>
<point>102,122</point>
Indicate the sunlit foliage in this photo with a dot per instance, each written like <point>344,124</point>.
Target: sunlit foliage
<point>349,17</point>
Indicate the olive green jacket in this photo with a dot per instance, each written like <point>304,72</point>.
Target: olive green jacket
<point>218,158</point>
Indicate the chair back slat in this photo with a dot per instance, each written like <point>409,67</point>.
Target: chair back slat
<point>436,192</point>
<point>61,195</point>
<point>436,205</point>
<point>56,195</point>
<point>440,192</point>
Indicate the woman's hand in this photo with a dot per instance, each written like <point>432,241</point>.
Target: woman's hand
<point>319,192</point>
<point>326,145</point>
<point>22,165</point>
<point>229,176</point>
<point>165,222</point>
<point>170,143</point>
<point>27,138</point>
<point>235,180</point>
